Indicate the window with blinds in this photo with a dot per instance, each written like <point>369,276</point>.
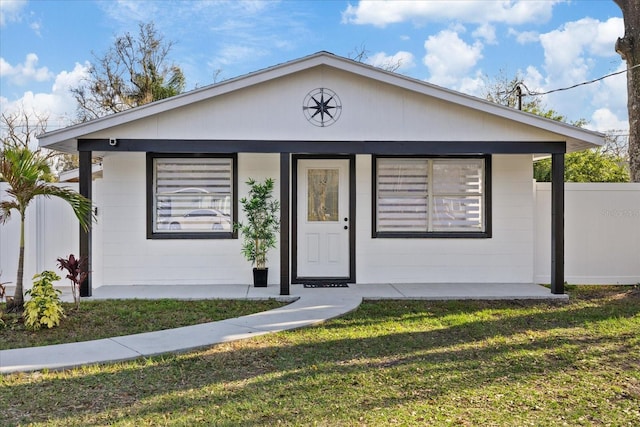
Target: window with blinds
<point>193,194</point>
<point>403,194</point>
<point>430,196</point>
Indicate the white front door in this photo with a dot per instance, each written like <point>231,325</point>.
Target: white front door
<point>323,218</point>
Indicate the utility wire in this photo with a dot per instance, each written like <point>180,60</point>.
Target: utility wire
<point>530,93</point>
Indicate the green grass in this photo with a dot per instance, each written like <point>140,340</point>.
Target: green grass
<point>104,319</point>
<point>407,363</point>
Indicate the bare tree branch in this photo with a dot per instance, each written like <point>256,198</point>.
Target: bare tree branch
<point>134,71</point>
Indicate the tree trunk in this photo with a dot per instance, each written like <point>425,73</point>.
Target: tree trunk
<point>629,49</point>
<point>17,304</point>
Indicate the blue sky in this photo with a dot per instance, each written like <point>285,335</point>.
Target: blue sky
<point>46,45</point>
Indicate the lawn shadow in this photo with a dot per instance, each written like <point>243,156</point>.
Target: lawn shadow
<point>492,344</point>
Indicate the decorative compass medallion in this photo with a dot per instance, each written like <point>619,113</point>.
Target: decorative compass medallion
<point>322,107</point>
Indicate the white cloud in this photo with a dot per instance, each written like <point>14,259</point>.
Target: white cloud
<point>231,54</point>
<point>383,13</point>
<point>127,11</point>
<point>611,93</point>
<point>10,10</point>
<point>606,36</point>
<point>26,72</point>
<point>449,58</point>
<point>5,67</point>
<point>473,85</point>
<point>524,37</point>
<point>36,26</point>
<point>566,49</point>
<point>571,54</point>
<point>404,60</point>
<point>534,79</point>
<point>58,105</point>
<point>252,6</point>
<point>486,32</point>
<point>604,120</point>
<point>457,27</point>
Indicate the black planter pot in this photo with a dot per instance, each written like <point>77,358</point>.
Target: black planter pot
<point>260,277</point>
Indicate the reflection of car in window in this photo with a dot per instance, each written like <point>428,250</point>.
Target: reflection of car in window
<point>198,220</point>
<point>194,209</point>
<point>194,198</point>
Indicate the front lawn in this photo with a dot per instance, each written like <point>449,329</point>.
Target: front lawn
<point>408,363</point>
<point>104,319</point>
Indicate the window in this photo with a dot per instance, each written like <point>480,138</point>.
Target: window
<point>432,197</point>
<point>191,196</point>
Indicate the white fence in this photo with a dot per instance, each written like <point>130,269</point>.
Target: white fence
<point>51,232</point>
<point>602,235</point>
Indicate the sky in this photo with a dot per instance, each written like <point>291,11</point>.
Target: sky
<point>46,46</point>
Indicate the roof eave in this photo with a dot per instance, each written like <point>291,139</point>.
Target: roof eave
<point>64,139</point>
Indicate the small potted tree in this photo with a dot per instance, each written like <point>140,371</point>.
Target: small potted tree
<point>261,227</point>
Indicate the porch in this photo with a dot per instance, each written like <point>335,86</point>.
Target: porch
<point>408,291</point>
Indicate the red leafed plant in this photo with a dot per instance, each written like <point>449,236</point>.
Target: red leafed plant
<point>77,273</point>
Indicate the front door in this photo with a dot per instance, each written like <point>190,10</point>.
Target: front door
<point>323,223</point>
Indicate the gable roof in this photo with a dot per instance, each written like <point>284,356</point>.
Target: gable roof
<point>66,139</point>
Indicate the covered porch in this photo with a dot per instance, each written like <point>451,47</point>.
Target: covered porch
<point>288,149</point>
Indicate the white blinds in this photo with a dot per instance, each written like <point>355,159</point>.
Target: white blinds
<point>457,194</point>
<point>424,195</point>
<point>402,194</point>
<point>192,193</point>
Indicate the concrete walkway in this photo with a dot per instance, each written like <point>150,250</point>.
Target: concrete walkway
<point>309,306</point>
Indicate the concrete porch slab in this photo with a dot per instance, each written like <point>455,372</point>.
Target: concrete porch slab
<point>435,291</point>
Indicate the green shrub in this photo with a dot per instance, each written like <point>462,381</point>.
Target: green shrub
<point>44,307</point>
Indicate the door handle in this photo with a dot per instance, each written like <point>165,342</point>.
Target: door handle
<point>346,227</point>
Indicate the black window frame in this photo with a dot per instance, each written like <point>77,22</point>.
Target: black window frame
<point>185,235</point>
<point>486,193</point>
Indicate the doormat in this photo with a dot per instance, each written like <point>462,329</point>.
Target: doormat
<point>326,285</point>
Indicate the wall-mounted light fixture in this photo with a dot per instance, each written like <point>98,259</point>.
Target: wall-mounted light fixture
<point>113,142</point>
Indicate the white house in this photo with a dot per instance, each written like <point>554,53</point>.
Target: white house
<point>381,178</point>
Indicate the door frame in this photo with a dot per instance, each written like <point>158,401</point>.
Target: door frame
<point>352,219</point>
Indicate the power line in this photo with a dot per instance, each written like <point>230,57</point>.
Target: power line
<point>530,93</point>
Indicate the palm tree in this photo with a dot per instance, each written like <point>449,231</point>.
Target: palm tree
<point>24,170</point>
